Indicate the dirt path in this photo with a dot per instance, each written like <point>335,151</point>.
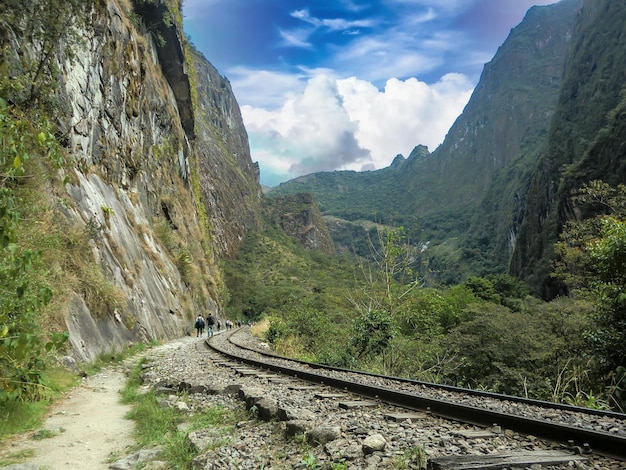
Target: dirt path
<point>88,424</point>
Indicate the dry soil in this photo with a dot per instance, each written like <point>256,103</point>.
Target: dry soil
<point>87,427</point>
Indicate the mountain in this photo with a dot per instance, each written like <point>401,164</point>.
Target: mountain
<point>467,198</point>
<point>299,217</point>
<point>483,167</point>
<point>586,137</point>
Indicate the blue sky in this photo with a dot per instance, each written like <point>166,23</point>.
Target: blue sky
<point>348,84</point>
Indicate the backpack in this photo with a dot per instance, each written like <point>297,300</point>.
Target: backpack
<point>210,319</point>
<point>199,323</point>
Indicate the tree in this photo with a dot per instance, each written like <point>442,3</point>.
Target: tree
<point>373,332</point>
<point>22,349</point>
<point>499,349</point>
<point>393,274</point>
<point>608,254</point>
<point>388,282</point>
<point>592,262</point>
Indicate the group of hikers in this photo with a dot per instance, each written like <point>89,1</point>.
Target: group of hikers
<point>210,323</point>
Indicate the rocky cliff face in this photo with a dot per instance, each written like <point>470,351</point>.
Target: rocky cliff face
<point>164,182</point>
<point>514,100</point>
<point>300,218</point>
<point>228,180</point>
<point>586,138</point>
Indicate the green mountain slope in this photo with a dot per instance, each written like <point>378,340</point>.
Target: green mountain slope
<point>586,139</point>
<point>464,198</point>
<point>353,195</point>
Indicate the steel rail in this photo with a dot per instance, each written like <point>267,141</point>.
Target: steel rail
<point>609,445</point>
<point>447,388</point>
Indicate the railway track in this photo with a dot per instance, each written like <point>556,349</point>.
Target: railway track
<point>578,430</point>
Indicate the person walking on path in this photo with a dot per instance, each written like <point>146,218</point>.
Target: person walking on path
<point>199,326</point>
<point>210,321</point>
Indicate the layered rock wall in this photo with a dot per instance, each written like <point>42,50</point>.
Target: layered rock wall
<point>164,207</point>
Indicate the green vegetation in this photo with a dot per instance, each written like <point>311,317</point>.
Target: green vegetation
<point>23,290</point>
<point>19,416</point>
<point>592,261</point>
<point>378,315</point>
<point>298,290</point>
<point>17,457</point>
<point>114,357</point>
<point>412,458</point>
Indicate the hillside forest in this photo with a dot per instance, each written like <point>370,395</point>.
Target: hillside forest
<point>376,313</point>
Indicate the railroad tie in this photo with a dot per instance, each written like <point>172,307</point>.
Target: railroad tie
<point>505,460</point>
<point>400,417</point>
<point>348,405</point>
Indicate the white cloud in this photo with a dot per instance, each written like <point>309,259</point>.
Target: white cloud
<point>264,88</point>
<point>425,17</point>
<point>311,132</point>
<point>295,38</point>
<point>300,37</point>
<point>404,114</point>
<point>405,50</point>
<point>334,24</point>
<point>351,124</point>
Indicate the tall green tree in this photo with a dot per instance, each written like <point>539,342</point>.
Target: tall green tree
<point>382,302</point>
<point>592,262</point>
<point>392,275</point>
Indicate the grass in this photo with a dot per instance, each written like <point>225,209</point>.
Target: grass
<point>158,426</point>
<point>18,417</point>
<point>46,434</point>
<point>22,416</point>
<point>113,357</point>
<point>260,327</point>
<point>16,457</point>
<point>415,457</point>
